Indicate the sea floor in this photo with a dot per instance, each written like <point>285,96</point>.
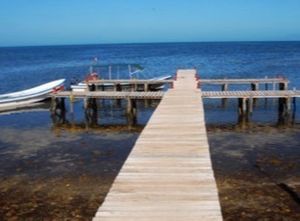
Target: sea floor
<point>65,177</point>
<point>257,172</point>
<point>65,173</point>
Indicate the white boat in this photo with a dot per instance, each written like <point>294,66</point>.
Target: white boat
<point>82,86</point>
<point>28,97</point>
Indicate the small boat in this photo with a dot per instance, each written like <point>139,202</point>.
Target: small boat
<point>133,72</point>
<point>30,96</point>
<point>83,86</point>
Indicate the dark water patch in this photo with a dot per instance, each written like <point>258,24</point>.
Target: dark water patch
<point>25,119</point>
<point>93,152</point>
<point>247,193</point>
<point>45,176</point>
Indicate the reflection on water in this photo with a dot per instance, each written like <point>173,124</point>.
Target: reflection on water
<point>98,113</point>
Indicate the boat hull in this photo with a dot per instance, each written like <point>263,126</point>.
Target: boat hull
<point>82,86</point>
<point>29,97</point>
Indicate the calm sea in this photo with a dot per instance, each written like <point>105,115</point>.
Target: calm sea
<point>64,169</point>
<point>24,67</point>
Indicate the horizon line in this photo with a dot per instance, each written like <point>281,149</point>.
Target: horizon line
<point>136,43</point>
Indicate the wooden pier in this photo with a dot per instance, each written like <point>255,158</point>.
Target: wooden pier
<point>277,83</point>
<point>251,94</point>
<point>168,175</point>
<point>132,84</point>
<point>257,81</point>
<point>110,95</point>
<point>247,98</point>
<point>141,89</point>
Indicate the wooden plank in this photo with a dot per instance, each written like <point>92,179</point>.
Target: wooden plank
<point>168,175</point>
<point>250,94</point>
<point>244,81</point>
<point>129,81</point>
<point>110,95</point>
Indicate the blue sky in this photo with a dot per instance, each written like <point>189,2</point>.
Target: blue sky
<point>50,22</point>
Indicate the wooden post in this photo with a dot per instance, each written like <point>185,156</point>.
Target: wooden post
<point>284,110</point>
<point>294,110</point>
<point>266,85</point>
<point>129,106</point>
<point>146,103</point>
<point>71,106</point>
<point>225,87</point>
<point>282,86</point>
<point>109,72</point>
<point>254,86</point>
<point>224,100</point>
<point>243,117</point>
<point>281,106</point>
<point>53,105</point>
<point>118,101</point>
<point>134,87</point>
<point>118,87</point>
<point>63,104</point>
<point>91,113</point>
<point>131,111</point>
<point>134,109</point>
<point>266,88</point>
<point>146,87</point>
<point>250,105</point>
<point>288,105</point>
<point>282,102</point>
<point>242,105</point>
<point>85,103</point>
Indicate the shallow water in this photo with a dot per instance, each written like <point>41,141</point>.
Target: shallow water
<point>257,172</point>
<point>62,171</point>
<point>55,168</point>
<point>59,175</point>
<point>64,178</point>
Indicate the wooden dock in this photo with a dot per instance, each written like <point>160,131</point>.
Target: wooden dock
<point>110,94</point>
<point>129,81</point>
<point>245,81</point>
<point>202,81</point>
<point>251,94</point>
<point>168,175</point>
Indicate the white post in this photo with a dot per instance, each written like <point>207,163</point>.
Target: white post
<point>109,71</point>
<point>129,70</point>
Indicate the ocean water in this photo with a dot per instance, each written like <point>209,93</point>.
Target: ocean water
<point>60,163</point>
<point>24,67</point>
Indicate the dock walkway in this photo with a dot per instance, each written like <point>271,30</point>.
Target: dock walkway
<point>168,175</point>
